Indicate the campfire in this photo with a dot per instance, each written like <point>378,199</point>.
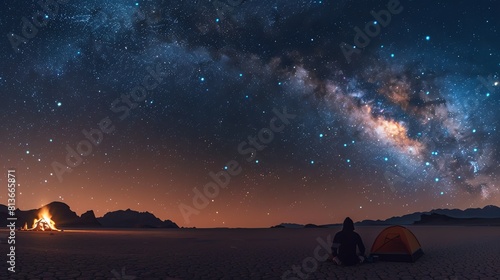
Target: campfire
<point>43,223</point>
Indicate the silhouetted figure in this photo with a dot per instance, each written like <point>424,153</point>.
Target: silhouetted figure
<point>344,245</point>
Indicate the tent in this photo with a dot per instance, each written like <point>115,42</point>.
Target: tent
<point>396,243</point>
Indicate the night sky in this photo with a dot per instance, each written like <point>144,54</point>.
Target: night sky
<point>316,119</point>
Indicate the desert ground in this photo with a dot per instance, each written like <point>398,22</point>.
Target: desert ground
<point>450,253</point>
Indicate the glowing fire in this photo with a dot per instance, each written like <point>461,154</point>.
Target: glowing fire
<point>43,223</point>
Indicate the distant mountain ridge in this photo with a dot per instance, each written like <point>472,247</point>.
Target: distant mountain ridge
<point>65,218</point>
<point>134,219</point>
<point>438,219</point>
<point>61,215</point>
<point>477,216</point>
<point>486,212</point>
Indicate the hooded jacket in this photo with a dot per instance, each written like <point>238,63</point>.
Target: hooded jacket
<point>345,243</point>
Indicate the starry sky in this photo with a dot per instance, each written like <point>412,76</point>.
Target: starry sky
<point>309,110</point>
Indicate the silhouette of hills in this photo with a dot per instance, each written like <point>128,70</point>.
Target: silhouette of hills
<point>488,215</point>
<point>65,218</point>
<point>134,219</point>
<point>438,219</point>
<point>486,212</point>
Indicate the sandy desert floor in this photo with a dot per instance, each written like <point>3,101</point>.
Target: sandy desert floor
<point>452,253</point>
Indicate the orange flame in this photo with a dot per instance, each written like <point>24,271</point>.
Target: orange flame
<point>44,222</point>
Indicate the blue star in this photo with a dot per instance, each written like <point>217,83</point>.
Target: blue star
<point>386,159</point>
<point>392,55</point>
<point>312,161</point>
<point>59,104</point>
<point>202,79</point>
<point>217,20</point>
<point>321,135</point>
<point>437,179</point>
<point>427,38</point>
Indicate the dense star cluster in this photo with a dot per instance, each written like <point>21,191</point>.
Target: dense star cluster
<point>133,104</point>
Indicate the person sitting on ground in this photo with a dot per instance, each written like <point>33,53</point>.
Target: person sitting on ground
<point>344,245</point>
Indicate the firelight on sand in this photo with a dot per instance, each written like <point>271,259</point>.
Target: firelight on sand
<point>43,223</point>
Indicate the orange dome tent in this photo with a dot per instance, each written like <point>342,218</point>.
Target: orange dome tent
<point>396,243</point>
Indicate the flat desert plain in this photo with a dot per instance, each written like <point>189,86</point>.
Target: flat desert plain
<point>450,253</point>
